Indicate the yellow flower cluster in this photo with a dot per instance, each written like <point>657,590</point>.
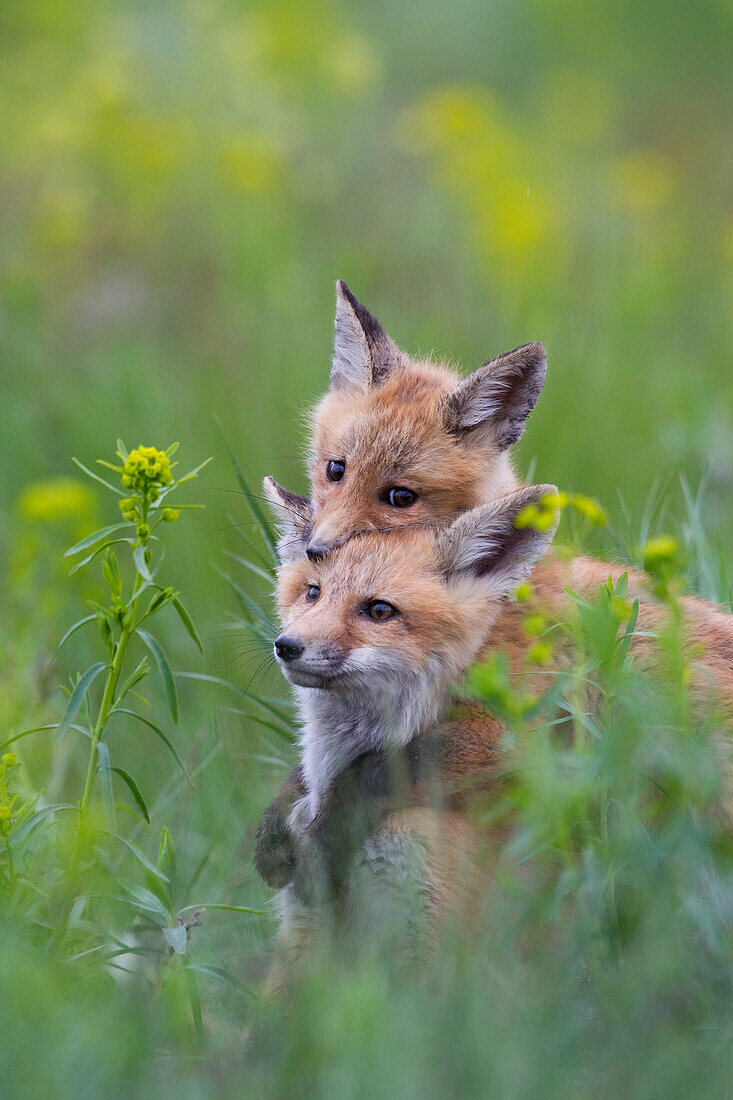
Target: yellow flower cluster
<point>542,515</point>
<point>662,559</point>
<point>660,552</point>
<point>57,498</point>
<point>146,469</point>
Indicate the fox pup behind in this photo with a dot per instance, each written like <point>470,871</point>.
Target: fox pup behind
<point>403,441</point>
<point>373,636</point>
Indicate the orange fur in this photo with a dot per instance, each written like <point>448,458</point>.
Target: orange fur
<point>395,435</point>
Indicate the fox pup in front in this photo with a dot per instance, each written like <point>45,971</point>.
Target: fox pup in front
<point>373,636</point>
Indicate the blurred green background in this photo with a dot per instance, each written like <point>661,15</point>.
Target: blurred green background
<point>181,183</point>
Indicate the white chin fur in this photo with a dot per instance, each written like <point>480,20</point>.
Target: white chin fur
<point>379,702</point>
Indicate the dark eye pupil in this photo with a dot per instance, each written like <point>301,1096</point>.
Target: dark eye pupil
<point>335,470</point>
<point>401,498</point>
<point>313,592</point>
<point>381,610</point>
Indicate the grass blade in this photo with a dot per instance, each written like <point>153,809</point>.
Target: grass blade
<point>267,529</point>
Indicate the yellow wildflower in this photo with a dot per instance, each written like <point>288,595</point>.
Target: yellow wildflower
<point>540,653</point>
<point>54,499</point>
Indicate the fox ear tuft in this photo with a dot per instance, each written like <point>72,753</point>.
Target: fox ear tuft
<point>498,397</point>
<point>363,353</point>
<point>294,518</point>
<point>500,542</point>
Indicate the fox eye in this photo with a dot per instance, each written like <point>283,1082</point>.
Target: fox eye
<point>380,611</point>
<point>400,497</point>
<point>335,470</point>
<point>312,593</point>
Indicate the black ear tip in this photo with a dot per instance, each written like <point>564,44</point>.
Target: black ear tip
<point>534,355</point>
<point>343,291</point>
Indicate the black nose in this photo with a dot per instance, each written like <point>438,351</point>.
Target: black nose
<point>288,649</point>
<point>317,550</point>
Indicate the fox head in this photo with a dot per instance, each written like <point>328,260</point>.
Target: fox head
<point>389,619</point>
<point>397,441</point>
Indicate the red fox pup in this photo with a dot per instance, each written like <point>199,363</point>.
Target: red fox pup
<point>397,440</point>
<point>373,636</point>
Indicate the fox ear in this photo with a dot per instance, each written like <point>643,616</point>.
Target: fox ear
<point>498,397</point>
<point>500,542</point>
<point>294,517</point>
<point>363,353</point>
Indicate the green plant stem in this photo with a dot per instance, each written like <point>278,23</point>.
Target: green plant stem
<point>110,688</point>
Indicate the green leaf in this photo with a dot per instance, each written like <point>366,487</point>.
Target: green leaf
<point>187,622</point>
<point>134,678</point>
<point>143,898</point>
<point>625,641</point>
<point>23,831</point>
<point>142,858</point>
<point>163,737</point>
<point>112,573</point>
<point>135,790</point>
<point>166,673</point>
<point>193,473</point>
<point>77,695</point>
<point>140,564</point>
<point>105,775</point>
<point>95,537</point>
<point>122,451</point>
<point>17,736</point>
<point>176,937</point>
<point>96,477</point>
<point>73,629</point>
<point>97,551</point>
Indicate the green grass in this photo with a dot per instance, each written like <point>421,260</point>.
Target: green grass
<point>181,186</point>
